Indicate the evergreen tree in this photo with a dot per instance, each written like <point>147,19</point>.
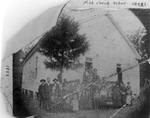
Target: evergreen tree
<point>63,45</point>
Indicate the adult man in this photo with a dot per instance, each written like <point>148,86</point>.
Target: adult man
<point>56,88</point>
<point>41,93</point>
<point>56,94</point>
<point>48,93</point>
<point>116,95</point>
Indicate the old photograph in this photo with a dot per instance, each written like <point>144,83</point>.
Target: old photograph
<point>81,62</point>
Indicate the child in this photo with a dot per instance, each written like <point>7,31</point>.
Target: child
<point>75,104</point>
<point>129,95</point>
<point>96,99</point>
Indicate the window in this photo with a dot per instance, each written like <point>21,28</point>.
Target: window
<point>119,72</point>
<point>36,64</point>
<point>26,92</point>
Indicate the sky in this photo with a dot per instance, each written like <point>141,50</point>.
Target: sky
<point>14,14</point>
<point>17,13</point>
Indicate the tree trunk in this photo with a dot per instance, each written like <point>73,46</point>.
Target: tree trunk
<point>61,68</point>
<point>60,75</point>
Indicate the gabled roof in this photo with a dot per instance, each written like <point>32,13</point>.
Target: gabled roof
<point>112,20</point>
<point>34,49</point>
<point>119,29</point>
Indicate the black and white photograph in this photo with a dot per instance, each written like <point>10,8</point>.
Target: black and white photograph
<point>80,59</point>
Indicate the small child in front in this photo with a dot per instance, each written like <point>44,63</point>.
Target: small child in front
<point>75,103</point>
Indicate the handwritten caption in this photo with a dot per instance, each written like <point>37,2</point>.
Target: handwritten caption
<point>114,3</point>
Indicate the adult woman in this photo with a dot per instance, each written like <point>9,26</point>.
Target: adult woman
<point>129,95</point>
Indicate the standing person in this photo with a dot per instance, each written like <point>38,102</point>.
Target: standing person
<point>123,93</point>
<point>129,95</point>
<point>96,77</point>
<point>75,103</point>
<point>96,99</point>
<point>116,96</point>
<point>109,102</point>
<point>103,96</point>
<point>56,93</point>
<point>41,93</point>
<point>56,90</point>
<point>48,94</point>
<point>90,74</point>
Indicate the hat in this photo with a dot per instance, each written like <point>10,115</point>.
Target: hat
<point>55,79</point>
<point>43,80</point>
<point>94,69</point>
<point>128,82</point>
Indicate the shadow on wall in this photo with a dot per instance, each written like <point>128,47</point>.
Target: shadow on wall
<point>19,109</point>
<point>143,111</point>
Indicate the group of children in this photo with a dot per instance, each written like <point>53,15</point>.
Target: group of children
<point>48,92</point>
<point>117,95</point>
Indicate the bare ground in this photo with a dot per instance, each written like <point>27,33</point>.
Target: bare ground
<point>34,109</point>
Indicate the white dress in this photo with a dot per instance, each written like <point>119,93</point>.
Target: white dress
<point>128,99</point>
<point>75,105</point>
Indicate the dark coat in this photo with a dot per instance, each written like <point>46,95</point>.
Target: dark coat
<point>41,90</point>
<point>48,90</point>
<point>57,91</point>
